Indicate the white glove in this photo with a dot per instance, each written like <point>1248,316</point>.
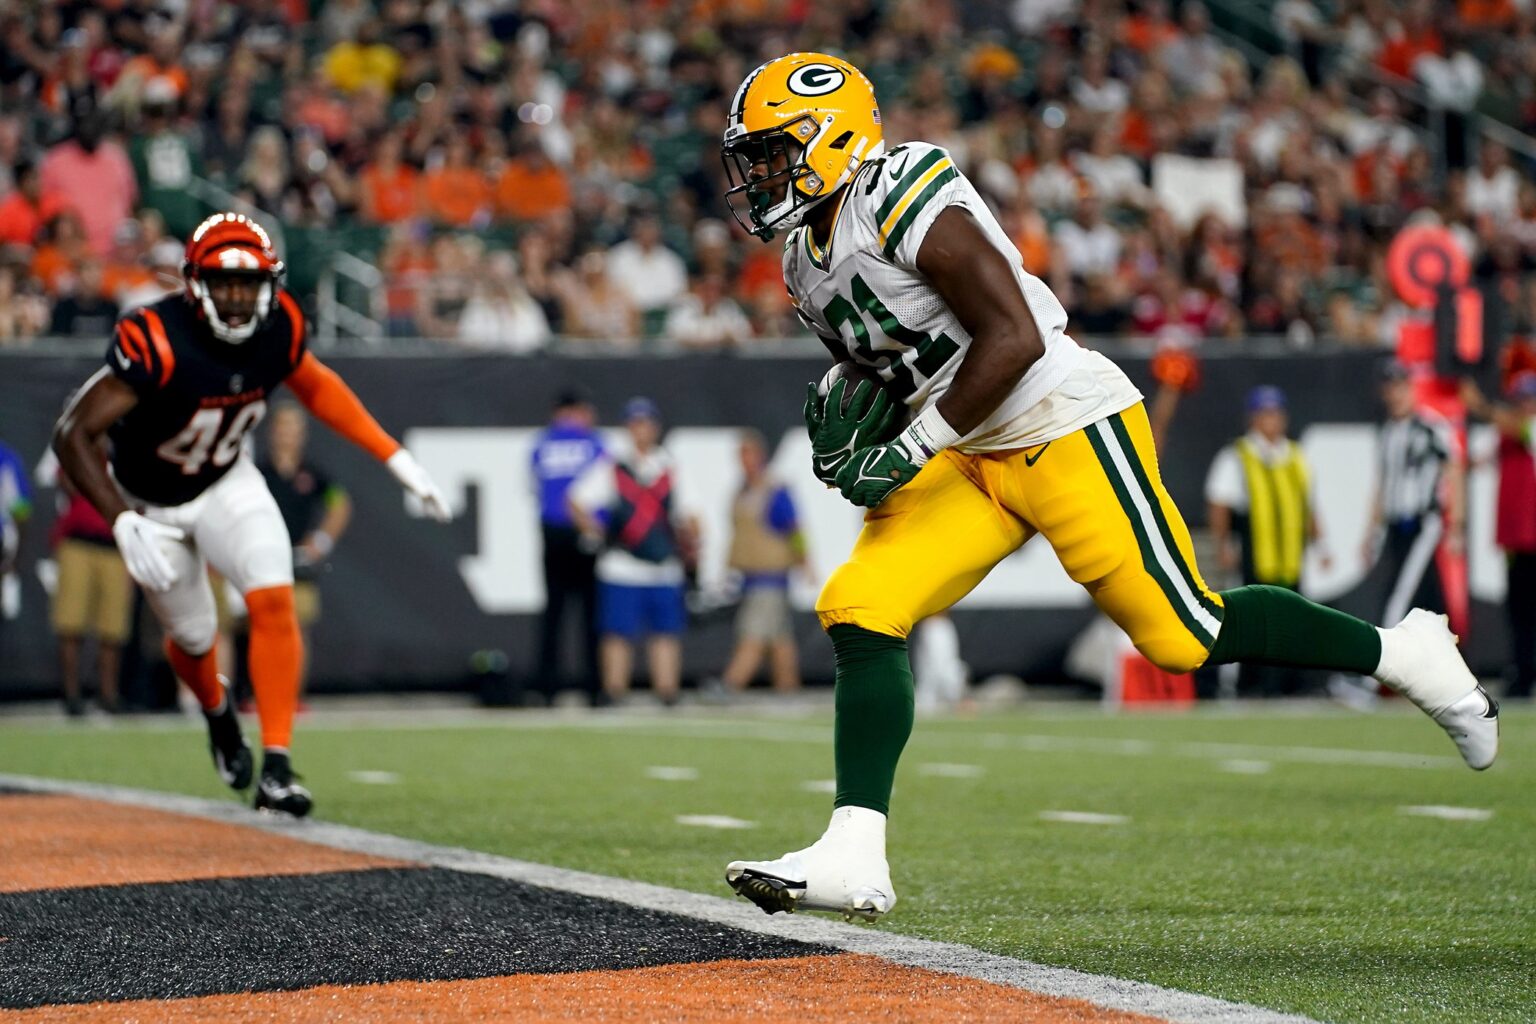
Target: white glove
<point>415,480</point>
<point>138,541</point>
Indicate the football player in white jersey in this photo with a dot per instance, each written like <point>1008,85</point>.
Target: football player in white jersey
<point>896,263</point>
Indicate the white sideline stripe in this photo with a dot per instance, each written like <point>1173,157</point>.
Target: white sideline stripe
<point>819,785</point>
<point>950,958</point>
<point>1448,813</point>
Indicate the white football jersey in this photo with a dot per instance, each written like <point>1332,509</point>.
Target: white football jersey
<point>865,293</point>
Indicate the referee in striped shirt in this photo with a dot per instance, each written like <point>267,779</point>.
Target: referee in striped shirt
<point>1418,498</point>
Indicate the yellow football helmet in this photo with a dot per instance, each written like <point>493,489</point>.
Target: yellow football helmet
<point>800,127</point>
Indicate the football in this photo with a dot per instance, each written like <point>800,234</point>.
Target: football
<point>854,373</point>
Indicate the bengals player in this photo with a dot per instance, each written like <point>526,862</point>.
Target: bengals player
<point>185,380</point>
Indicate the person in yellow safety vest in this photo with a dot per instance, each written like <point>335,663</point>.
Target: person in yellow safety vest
<point>1261,517</point>
<point>1258,489</point>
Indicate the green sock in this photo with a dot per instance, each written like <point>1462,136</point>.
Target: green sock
<point>874,714</point>
<point>1275,626</point>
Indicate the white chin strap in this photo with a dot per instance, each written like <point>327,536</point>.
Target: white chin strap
<point>224,331</point>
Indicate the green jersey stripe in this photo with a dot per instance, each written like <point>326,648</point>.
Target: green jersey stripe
<point>1100,438</point>
<point>900,230</point>
<point>904,185</point>
<point>1144,483</point>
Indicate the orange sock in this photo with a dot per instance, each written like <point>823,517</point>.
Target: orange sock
<point>277,657</point>
<point>200,673</point>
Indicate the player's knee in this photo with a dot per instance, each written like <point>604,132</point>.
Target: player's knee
<point>854,597</point>
<point>272,607</point>
<point>1174,653</point>
<point>195,632</point>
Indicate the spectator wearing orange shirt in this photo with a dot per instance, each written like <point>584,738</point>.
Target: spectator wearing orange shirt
<point>1410,40</point>
<point>456,193</point>
<point>125,269</point>
<point>1283,234</point>
<point>531,186</point>
<point>1149,30</point>
<point>1484,15</point>
<point>24,212</point>
<point>60,254</point>
<point>390,186</point>
<point>162,62</point>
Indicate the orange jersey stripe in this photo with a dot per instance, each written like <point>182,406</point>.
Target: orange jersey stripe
<point>162,345</point>
<point>295,325</point>
<point>132,340</point>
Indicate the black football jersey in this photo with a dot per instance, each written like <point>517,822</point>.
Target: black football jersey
<point>198,396</point>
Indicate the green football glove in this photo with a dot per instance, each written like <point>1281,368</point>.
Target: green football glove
<point>836,435</point>
<point>869,477</point>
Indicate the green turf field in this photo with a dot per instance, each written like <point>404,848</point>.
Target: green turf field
<point>1264,857</point>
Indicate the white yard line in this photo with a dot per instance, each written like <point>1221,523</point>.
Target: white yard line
<point>1083,818</point>
<point>722,821</point>
<point>950,958</point>
<point>1447,813</point>
<point>672,773</point>
<point>372,777</point>
<point>944,770</point>
<point>1242,766</point>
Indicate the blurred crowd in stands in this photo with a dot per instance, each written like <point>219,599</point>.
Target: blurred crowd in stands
<point>525,169</point>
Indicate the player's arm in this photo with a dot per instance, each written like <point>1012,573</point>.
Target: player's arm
<point>592,490</point>
<point>1220,518</point>
<point>978,284</point>
<point>322,391</point>
<point>20,509</point>
<point>76,440</point>
<point>321,541</point>
<point>103,401</point>
<point>1223,488</point>
<point>1508,420</point>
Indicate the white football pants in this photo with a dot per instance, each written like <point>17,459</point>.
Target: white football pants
<point>234,526</point>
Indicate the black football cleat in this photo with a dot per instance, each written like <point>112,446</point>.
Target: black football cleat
<point>278,790</point>
<point>231,756</point>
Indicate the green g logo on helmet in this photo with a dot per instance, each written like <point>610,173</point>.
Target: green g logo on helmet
<point>815,80</point>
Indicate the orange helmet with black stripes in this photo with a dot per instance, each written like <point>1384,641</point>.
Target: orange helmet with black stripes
<point>225,246</point>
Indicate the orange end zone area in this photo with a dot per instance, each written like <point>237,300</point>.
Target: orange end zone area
<point>807,990</point>
<point>62,842</point>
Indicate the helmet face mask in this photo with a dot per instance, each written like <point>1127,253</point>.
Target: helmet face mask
<point>236,301</point>
<point>764,169</point>
<point>232,276</point>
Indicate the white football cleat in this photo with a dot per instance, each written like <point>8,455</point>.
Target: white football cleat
<point>824,876</point>
<point>1420,661</point>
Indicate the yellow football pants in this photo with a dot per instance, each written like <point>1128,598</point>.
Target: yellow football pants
<point>1095,495</point>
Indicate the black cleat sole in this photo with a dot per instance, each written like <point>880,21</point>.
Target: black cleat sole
<point>771,894</point>
<point>296,805</point>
